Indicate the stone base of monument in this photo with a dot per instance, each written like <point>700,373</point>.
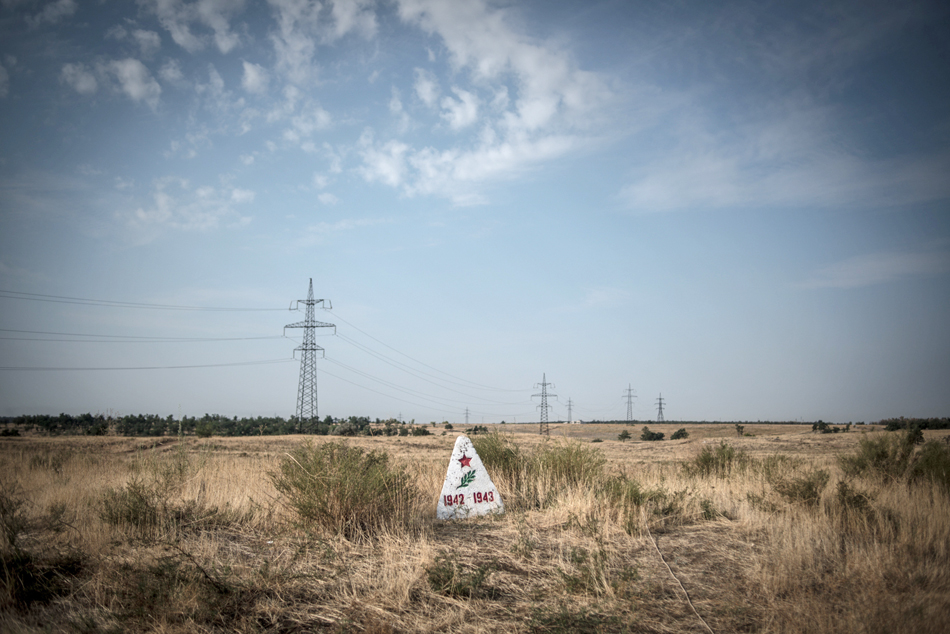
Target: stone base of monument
<point>468,491</point>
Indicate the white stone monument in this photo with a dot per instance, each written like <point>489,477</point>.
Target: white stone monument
<point>467,490</point>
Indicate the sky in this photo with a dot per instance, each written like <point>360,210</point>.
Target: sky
<point>740,207</point>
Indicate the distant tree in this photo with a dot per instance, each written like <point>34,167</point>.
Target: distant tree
<point>739,430</point>
<point>679,433</point>
<point>623,436</point>
<point>651,435</point>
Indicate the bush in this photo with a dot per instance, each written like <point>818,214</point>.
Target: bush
<point>679,433</point>
<point>886,457</point>
<point>932,463</point>
<point>536,479</point>
<point>651,435</point>
<point>345,490</point>
<point>804,489</point>
<point>719,461</point>
<point>623,436</point>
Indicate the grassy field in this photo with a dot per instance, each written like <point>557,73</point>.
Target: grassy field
<point>769,532</point>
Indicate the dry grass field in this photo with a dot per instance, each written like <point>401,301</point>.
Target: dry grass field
<point>767,533</point>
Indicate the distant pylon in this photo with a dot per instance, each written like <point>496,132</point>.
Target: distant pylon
<point>466,417</point>
<point>630,395</point>
<point>570,417</point>
<point>659,409</point>
<point>307,390</point>
<point>545,429</point>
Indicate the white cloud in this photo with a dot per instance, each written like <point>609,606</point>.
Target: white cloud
<point>785,159</point>
<point>541,105</point>
<point>242,195</point>
<point>310,119</point>
<point>53,13</point>
<point>879,268</point>
<point>247,159</point>
<point>461,112</point>
<point>353,15</point>
<point>171,72</point>
<point>149,41</point>
<point>327,198</point>
<point>178,17</point>
<point>79,77</point>
<point>303,24</point>
<point>135,81</point>
<point>175,205</point>
<point>426,87</point>
<point>255,78</point>
<point>385,163</point>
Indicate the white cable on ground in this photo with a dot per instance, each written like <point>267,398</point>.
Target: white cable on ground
<point>688,600</point>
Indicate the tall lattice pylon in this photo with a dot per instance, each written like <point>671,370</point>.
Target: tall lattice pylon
<point>307,390</point>
<point>659,409</point>
<point>629,395</point>
<point>544,407</point>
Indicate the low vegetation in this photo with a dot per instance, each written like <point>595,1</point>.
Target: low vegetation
<point>784,531</point>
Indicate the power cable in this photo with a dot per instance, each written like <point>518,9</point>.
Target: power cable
<point>485,387</point>
<point>82,301</point>
<point>153,367</point>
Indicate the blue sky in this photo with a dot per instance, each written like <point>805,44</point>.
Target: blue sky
<point>742,206</point>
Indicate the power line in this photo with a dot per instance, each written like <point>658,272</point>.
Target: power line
<point>96,338</point>
<point>151,367</point>
<point>85,301</point>
<point>417,374</point>
<point>479,385</point>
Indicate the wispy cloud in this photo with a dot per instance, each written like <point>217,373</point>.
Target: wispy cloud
<point>177,205</point>
<point>527,102</point>
<point>879,268</point>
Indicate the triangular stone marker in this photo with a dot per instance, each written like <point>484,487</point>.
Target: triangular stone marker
<point>467,490</point>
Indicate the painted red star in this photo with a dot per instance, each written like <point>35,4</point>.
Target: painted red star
<point>465,460</point>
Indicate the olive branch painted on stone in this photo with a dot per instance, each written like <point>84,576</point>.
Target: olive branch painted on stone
<point>467,479</point>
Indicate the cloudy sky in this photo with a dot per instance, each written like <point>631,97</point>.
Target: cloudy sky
<point>742,206</point>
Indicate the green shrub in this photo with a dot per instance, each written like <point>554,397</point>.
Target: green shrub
<point>535,479</point>
<point>719,461</point>
<point>651,435</point>
<point>932,463</point>
<point>623,436</point>
<point>679,433</point>
<point>344,489</point>
<point>502,457</point>
<point>887,456</point>
<point>570,464</point>
<point>804,489</point>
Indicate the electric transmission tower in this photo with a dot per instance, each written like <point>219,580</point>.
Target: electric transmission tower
<point>659,409</point>
<point>630,395</point>
<point>307,390</point>
<point>466,417</point>
<point>570,417</point>
<point>545,430</point>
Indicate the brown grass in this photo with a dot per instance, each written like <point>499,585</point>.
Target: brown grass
<point>226,553</point>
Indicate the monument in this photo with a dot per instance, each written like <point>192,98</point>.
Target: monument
<point>468,490</point>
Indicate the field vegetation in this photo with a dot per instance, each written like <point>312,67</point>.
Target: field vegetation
<point>777,528</point>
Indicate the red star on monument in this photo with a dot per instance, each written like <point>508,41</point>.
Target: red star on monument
<point>465,460</point>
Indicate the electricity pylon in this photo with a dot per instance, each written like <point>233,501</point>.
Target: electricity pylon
<point>630,395</point>
<point>545,429</point>
<point>570,417</point>
<point>307,390</point>
<point>659,409</point>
